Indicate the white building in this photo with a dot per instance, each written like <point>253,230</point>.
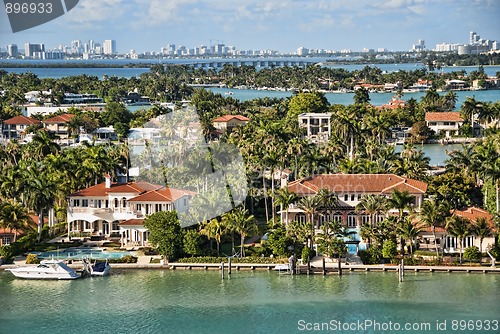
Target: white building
<point>108,209</point>
<point>317,125</point>
<point>109,47</point>
<point>447,122</point>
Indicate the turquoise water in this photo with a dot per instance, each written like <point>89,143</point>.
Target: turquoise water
<point>80,253</point>
<point>162,301</point>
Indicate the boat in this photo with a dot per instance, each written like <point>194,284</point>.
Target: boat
<point>282,266</point>
<point>99,268</point>
<point>228,93</point>
<point>47,269</point>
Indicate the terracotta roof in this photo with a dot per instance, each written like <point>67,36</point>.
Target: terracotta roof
<point>100,189</point>
<point>357,183</point>
<point>162,195</point>
<point>132,222</point>
<point>473,213</point>
<point>20,120</point>
<point>443,116</point>
<point>64,118</point>
<point>228,118</point>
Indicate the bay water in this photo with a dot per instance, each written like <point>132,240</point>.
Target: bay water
<point>164,301</point>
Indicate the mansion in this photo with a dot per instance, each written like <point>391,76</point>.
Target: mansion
<point>349,189</point>
<point>112,209</point>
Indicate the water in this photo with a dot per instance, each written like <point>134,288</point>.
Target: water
<point>376,99</point>
<point>80,253</point>
<point>162,301</point>
<point>436,152</point>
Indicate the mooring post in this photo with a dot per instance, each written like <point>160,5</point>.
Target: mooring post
<point>324,267</point>
<point>229,266</point>
<point>340,266</point>
<point>403,267</point>
<point>308,265</point>
<point>222,269</point>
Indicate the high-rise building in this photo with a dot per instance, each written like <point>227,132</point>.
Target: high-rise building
<point>30,49</point>
<point>12,50</point>
<point>109,47</point>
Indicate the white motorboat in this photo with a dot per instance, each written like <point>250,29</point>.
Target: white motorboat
<point>47,269</point>
<point>99,268</point>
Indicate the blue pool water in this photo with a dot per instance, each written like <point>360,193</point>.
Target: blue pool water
<point>80,253</point>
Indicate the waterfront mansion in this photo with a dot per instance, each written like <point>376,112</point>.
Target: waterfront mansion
<point>117,210</point>
<point>349,189</point>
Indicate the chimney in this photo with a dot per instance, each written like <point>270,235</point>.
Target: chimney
<point>108,181</point>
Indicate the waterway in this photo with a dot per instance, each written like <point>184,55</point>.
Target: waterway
<point>163,301</point>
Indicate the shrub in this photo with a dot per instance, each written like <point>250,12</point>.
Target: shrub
<point>372,255</point>
<point>124,259</point>
<point>472,253</point>
<point>306,254</point>
<point>6,253</point>
<point>389,250</point>
<point>32,259</point>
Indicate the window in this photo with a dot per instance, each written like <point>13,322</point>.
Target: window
<point>138,207</point>
<point>76,202</point>
<point>359,197</point>
<point>432,123</point>
<point>5,240</point>
<point>352,198</point>
<point>185,202</point>
<point>351,220</point>
<point>124,202</point>
<point>116,203</point>
<point>337,216</point>
<point>157,207</point>
<point>107,204</point>
<point>85,203</point>
<point>346,197</point>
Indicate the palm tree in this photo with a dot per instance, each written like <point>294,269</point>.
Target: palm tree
<point>482,230</point>
<point>243,224</point>
<point>285,198</point>
<point>401,200</point>
<point>460,228</point>
<point>310,204</point>
<point>40,191</point>
<point>213,229</point>
<point>14,217</point>
<point>433,215</point>
<point>409,231</point>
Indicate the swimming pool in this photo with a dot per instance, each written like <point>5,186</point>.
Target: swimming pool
<point>80,253</point>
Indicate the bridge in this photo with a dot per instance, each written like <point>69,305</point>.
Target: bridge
<point>219,63</point>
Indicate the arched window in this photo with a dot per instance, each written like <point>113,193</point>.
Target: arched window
<point>116,203</point>
<point>124,202</point>
<point>351,220</point>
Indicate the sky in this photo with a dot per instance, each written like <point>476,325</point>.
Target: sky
<point>282,25</point>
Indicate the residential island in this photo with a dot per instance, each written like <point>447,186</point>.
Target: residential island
<point>321,180</point>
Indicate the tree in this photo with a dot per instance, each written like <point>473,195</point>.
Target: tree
<point>409,231</point>
<point>460,228</point>
<point>14,216</point>
<point>165,233</point>
<point>310,205</point>
<point>482,230</point>
<point>285,198</point>
<point>361,96</point>
<point>243,224</point>
<point>213,229</point>
<point>433,214</point>
<point>306,103</point>
<point>389,250</point>
<point>192,242</point>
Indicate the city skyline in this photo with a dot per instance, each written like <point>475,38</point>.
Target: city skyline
<point>258,25</point>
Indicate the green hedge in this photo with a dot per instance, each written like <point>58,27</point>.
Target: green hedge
<point>125,259</point>
<point>215,259</point>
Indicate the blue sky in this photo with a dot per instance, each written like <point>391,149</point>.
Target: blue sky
<point>284,25</point>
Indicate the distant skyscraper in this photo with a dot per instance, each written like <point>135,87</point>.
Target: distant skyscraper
<point>30,49</point>
<point>109,47</point>
<point>12,50</point>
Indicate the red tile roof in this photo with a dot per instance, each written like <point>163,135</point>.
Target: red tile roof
<point>21,120</point>
<point>162,195</point>
<point>64,118</point>
<point>132,222</point>
<point>228,118</point>
<point>100,189</point>
<point>443,116</point>
<point>473,213</point>
<point>357,183</point>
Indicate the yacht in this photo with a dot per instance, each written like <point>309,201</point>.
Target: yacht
<point>98,268</point>
<point>47,269</point>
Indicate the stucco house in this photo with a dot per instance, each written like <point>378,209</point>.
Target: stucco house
<point>112,209</point>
